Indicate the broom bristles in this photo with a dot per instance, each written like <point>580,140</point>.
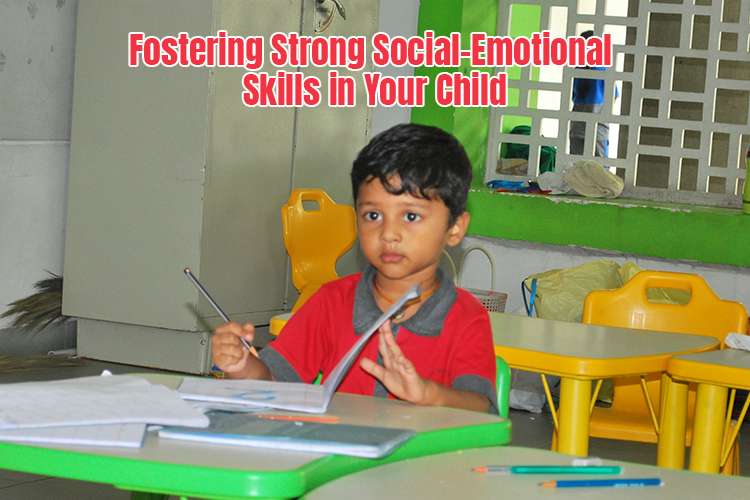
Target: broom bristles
<point>41,309</point>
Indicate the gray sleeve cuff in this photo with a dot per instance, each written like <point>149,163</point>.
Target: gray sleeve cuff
<point>479,385</point>
<point>279,367</point>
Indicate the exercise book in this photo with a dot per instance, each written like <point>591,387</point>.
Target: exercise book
<point>250,430</point>
<point>295,396</point>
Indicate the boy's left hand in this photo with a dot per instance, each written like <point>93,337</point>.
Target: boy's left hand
<point>397,374</point>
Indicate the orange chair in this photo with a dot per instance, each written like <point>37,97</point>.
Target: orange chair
<point>314,238</point>
<point>629,417</point>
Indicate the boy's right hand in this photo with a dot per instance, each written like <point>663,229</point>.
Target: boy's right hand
<point>227,350</point>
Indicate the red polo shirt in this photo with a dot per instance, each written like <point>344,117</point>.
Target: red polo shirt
<point>448,339</point>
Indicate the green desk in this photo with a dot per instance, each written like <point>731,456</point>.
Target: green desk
<point>449,476</point>
<point>164,466</point>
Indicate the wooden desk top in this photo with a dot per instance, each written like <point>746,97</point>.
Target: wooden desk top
<point>449,476</point>
<point>728,367</point>
<point>588,351</point>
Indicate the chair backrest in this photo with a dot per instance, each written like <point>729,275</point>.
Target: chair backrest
<point>315,238</point>
<point>629,307</point>
<point>502,386</point>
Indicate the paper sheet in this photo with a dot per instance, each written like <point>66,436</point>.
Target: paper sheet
<point>256,393</point>
<point>127,435</point>
<point>206,406</point>
<point>738,341</point>
<point>118,399</point>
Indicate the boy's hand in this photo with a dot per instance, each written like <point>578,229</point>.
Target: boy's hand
<point>397,374</point>
<point>227,351</point>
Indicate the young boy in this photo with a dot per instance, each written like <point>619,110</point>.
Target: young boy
<point>410,185</point>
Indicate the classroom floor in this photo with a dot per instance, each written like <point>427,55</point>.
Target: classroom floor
<point>532,430</point>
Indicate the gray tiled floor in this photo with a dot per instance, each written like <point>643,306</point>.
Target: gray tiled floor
<point>528,430</point>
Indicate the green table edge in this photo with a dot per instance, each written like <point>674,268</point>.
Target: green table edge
<point>176,479</point>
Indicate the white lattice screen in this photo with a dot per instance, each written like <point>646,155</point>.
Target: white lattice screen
<point>679,128</point>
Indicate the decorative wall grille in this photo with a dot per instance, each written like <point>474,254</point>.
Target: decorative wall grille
<point>679,128</point>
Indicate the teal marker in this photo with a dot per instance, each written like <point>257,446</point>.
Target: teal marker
<point>549,469</point>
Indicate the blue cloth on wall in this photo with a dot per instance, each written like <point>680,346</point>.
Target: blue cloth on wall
<point>590,90</point>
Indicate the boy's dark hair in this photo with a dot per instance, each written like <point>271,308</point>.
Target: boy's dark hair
<point>431,163</point>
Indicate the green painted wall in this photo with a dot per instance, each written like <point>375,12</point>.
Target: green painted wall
<point>683,232</point>
<point>443,17</point>
<point>469,125</point>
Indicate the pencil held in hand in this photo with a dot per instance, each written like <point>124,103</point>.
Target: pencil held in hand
<point>216,307</point>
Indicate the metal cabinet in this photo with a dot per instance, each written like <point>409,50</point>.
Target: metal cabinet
<point>168,169</point>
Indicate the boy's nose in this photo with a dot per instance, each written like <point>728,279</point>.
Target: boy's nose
<point>391,232</point>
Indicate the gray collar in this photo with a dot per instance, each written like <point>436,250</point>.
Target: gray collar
<point>429,318</point>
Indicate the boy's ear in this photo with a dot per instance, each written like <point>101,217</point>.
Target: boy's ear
<point>458,230</point>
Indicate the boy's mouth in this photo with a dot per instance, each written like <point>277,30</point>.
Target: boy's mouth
<point>391,258</point>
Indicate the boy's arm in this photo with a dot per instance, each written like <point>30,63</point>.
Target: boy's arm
<point>440,395</point>
<point>400,377</point>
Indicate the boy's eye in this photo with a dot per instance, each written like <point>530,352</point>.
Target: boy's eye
<point>372,216</point>
<point>412,217</point>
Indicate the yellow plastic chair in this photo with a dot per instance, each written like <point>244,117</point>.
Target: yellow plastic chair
<point>629,417</point>
<point>314,238</point>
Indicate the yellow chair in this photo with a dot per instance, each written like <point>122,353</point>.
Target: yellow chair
<point>629,417</point>
<point>314,238</point>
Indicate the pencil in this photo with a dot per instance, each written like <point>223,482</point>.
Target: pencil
<point>321,419</point>
<point>216,307</point>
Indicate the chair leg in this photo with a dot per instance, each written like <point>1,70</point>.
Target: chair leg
<point>732,466</point>
<point>737,471</point>
<point>553,446</point>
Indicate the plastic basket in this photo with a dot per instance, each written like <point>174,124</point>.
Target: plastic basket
<point>491,300</point>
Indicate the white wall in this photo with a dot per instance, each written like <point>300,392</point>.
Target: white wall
<point>516,260</point>
<point>396,17</point>
<point>37,38</point>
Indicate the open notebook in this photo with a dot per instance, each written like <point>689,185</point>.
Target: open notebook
<point>287,395</point>
<point>248,430</point>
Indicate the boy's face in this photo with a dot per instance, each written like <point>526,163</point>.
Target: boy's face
<point>403,236</point>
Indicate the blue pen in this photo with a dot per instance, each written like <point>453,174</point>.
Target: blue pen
<point>604,483</point>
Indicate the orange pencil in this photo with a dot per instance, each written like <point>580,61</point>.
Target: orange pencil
<point>320,419</point>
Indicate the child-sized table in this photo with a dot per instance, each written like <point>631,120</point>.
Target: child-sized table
<point>173,467</point>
